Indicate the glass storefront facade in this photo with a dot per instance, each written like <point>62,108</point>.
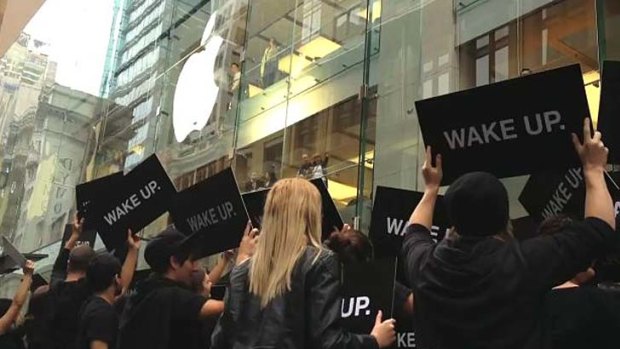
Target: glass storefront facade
<point>278,81</point>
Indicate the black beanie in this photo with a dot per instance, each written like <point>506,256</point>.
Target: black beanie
<point>477,204</point>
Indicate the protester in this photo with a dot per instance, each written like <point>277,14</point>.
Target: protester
<point>35,324</point>
<point>67,296</point>
<point>68,289</point>
<point>352,246</point>
<point>580,314</point>
<point>11,311</point>
<point>319,167</point>
<point>107,279</point>
<point>162,311</point>
<point>270,178</point>
<point>287,294</point>
<point>480,288</point>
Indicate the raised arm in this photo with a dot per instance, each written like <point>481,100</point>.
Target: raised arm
<point>129,266</point>
<point>12,313</point>
<point>593,155</point>
<point>59,270</point>
<point>423,213</point>
<point>222,263</point>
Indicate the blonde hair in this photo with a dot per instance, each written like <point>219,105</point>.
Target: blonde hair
<point>291,221</point>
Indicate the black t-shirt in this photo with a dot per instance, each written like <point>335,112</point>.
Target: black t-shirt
<point>487,292</point>
<point>583,317</point>
<point>161,314</point>
<point>98,321</point>
<point>66,299</point>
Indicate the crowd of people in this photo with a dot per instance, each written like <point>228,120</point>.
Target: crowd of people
<point>477,288</point>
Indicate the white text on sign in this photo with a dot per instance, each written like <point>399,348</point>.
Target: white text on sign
<point>131,203</point>
<point>504,130</point>
<point>355,305</point>
<point>211,216</point>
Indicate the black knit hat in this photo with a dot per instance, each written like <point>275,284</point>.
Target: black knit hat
<point>477,204</point>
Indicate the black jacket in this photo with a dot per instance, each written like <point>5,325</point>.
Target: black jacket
<point>479,293</point>
<point>308,316</point>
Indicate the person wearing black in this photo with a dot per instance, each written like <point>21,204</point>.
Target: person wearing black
<point>286,295</point>
<point>481,288</point>
<point>163,311</point>
<point>68,289</point>
<point>580,315</point>
<point>35,324</point>
<point>108,280</point>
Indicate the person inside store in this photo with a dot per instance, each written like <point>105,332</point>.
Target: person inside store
<point>353,246</point>
<point>480,285</point>
<point>319,167</point>
<point>254,183</point>
<point>235,80</point>
<point>306,168</point>
<point>287,294</point>
<point>269,64</point>
<point>580,314</point>
<point>10,310</point>
<point>163,311</point>
<point>270,177</point>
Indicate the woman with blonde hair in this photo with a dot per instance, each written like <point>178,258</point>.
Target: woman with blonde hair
<point>287,294</point>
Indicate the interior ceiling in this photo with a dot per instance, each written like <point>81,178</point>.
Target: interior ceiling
<point>15,14</point>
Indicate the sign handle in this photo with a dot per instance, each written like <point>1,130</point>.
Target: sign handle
<point>612,180</point>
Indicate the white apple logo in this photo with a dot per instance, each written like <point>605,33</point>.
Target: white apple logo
<point>196,91</point>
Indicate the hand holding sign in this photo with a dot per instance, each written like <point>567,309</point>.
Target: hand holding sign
<point>133,241</point>
<point>384,332</point>
<point>432,175</point>
<point>29,268</point>
<point>592,152</point>
<point>248,244</point>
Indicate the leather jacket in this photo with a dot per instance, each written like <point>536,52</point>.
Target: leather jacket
<point>307,316</point>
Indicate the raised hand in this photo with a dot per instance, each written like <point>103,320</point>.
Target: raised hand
<point>133,241</point>
<point>432,175</point>
<point>592,151</point>
<point>29,268</point>
<point>78,226</point>
<point>248,243</point>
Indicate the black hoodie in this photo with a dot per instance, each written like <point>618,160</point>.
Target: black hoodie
<point>484,292</point>
<point>160,314</point>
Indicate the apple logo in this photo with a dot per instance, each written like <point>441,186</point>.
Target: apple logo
<point>196,91</point>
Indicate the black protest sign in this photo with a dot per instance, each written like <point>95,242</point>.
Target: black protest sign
<point>390,218</point>
<point>87,237</point>
<point>331,217</point>
<point>87,194</point>
<point>510,128</point>
<point>255,203</point>
<point>367,288</point>
<point>143,195</point>
<point>548,194</point>
<point>14,255</point>
<point>609,112</point>
<point>214,211</point>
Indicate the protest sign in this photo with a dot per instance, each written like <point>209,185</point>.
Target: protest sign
<point>86,194</point>
<point>213,210</point>
<point>361,299</point>
<point>390,218</point>
<point>332,220</point>
<point>142,196</point>
<point>255,203</point>
<point>510,128</point>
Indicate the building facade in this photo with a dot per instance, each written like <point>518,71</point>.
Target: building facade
<point>270,83</point>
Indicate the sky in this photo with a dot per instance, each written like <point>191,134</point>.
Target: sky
<point>77,32</point>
